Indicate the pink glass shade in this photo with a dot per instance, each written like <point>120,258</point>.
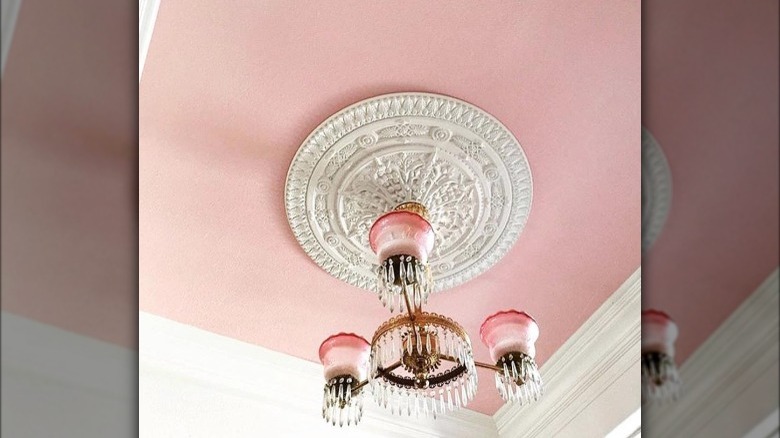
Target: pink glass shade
<point>401,232</point>
<point>508,332</point>
<point>345,354</point>
<point>658,332</point>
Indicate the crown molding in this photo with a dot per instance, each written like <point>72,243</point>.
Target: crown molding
<point>147,16</point>
<point>724,383</point>
<point>593,380</point>
<point>288,389</point>
<point>10,10</point>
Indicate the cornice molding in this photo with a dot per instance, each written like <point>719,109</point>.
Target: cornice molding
<point>598,364</point>
<point>725,381</point>
<point>147,16</point>
<point>10,10</point>
<point>289,386</point>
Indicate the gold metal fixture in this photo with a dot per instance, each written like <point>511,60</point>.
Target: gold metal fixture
<point>413,207</point>
<point>421,362</point>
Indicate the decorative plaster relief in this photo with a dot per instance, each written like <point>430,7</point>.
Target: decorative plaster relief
<point>656,190</point>
<point>457,160</point>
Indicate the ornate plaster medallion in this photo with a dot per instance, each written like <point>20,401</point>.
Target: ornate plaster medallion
<point>454,158</point>
<point>656,189</point>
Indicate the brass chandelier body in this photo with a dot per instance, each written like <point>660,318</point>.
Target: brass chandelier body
<point>421,363</point>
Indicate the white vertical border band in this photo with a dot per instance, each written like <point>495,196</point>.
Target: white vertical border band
<point>10,10</point>
<point>147,16</point>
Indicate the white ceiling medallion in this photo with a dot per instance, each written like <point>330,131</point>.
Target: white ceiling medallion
<point>656,189</point>
<point>448,155</point>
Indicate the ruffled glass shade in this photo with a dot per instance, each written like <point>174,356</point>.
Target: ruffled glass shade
<point>402,241</point>
<point>345,358</point>
<point>510,336</point>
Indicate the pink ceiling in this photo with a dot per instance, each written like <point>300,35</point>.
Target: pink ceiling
<point>68,169</point>
<point>230,92</point>
<point>710,99</point>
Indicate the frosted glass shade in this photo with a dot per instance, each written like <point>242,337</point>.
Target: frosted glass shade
<point>345,354</point>
<point>658,333</point>
<point>509,331</point>
<point>401,233</point>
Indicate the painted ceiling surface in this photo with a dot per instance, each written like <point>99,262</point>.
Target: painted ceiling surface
<point>229,93</point>
<point>710,100</point>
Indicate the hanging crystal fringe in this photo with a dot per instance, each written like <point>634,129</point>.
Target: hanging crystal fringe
<point>433,400</point>
<point>660,379</point>
<point>339,405</point>
<point>399,273</point>
<point>518,368</point>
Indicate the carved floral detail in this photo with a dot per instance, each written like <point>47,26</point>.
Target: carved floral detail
<point>402,130</point>
<point>421,177</point>
<point>456,159</point>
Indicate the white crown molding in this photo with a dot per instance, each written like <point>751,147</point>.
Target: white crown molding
<point>592,383</point>
<point>730,382</point>
<point>10,10</point>
<point>288,388</point>
<point>147,16</point>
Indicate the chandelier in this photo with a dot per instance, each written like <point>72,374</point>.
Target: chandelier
<point>406,195</point>
<point>421,363</point>
<point>660,378</point>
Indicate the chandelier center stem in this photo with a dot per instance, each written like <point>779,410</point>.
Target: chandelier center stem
<point>409,311</point>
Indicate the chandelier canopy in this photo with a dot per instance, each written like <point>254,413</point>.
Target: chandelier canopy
<point>405,195</point>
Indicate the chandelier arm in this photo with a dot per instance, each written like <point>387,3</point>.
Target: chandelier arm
<point>380,373</point>
<point>488,366</point>
<point>479,364</point>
